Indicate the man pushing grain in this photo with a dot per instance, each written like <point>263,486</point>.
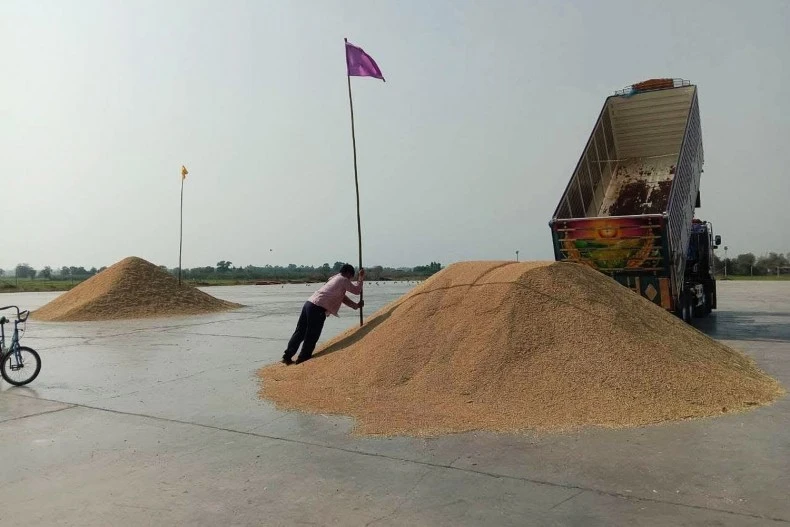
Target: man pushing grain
<point>324,302</point>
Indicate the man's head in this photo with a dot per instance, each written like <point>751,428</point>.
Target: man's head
<point>347,270</point>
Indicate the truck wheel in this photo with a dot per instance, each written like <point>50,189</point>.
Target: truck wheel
<point>685,309</point>
<point>701,311</point>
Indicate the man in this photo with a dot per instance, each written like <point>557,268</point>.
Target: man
<point>324,302</point>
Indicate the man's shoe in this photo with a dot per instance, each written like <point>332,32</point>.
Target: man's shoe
<point>287,361</point>
<point>301,360</point>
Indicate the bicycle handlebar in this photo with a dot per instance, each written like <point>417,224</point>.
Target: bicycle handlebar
<point>20,315</point>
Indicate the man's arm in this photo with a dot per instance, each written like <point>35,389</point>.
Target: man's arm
<point>353,305</point>
<point>356,289</point>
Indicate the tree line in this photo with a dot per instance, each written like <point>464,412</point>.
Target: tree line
<point>750,265</point>
<point>226,270</point>
<point>24,270</point>
<point>747,264</point>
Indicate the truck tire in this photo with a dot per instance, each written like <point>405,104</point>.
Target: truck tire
<point>709,297</point>
<point>685,308</point>
<point>703,310</point>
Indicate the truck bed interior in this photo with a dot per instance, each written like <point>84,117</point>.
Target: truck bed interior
<point>629,163</point>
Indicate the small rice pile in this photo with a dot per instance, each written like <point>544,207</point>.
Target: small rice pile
<point>507,346</point>
<point>132,288</point>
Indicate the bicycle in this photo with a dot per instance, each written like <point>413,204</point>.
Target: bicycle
<point>20,364</point>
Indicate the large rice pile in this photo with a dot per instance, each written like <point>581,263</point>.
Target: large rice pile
<point>132,288</point>
<point>514,346</point>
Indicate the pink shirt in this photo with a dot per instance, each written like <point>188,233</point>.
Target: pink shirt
<point>332,293</point>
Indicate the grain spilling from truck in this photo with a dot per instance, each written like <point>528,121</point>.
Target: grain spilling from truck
<point>506,346</point>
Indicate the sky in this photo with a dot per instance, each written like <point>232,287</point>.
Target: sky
<point>463,153</point>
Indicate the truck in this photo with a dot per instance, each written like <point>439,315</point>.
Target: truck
<point>629,208</point>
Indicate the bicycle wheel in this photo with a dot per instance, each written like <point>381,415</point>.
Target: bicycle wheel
<point>20,372</point>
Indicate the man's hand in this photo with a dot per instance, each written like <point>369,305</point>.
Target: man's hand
<point>361,274</point>
<point>360,305</point>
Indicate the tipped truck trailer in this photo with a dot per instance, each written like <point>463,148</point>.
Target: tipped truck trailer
<point>628,210</point>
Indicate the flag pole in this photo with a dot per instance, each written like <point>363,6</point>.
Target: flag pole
<point>181,229</point>
<point>356,177</point>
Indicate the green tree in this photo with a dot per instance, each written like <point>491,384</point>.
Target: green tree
<point>78,271</point>
<point>743,264</point>
<point>24,270</point>
<point>375,272</point>
<point>771,261</point>
<point>718,264</point>
<point>428,270</point>
<point>46,273</point>
<point>223,266</point>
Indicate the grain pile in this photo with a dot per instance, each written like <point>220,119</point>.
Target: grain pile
<point>132,288</point>
<point>513,346</point>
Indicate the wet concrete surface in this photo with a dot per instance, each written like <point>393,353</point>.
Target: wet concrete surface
<point>158,422</point>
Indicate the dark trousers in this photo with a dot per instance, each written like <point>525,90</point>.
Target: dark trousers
<point>308,330</point>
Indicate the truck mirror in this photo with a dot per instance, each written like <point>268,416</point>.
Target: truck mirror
<point>718,240</point>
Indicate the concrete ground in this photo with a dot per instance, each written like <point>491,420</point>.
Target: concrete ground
<point>157,422</point>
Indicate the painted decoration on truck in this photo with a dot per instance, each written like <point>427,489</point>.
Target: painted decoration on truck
<point>612,244</point>
<point>654,288</point>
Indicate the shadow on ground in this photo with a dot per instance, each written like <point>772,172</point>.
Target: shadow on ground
<point>746,325</point>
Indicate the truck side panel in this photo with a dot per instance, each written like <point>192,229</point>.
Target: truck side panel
<point>683,196</point>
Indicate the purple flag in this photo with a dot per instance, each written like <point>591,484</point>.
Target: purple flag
<point>360,64</point>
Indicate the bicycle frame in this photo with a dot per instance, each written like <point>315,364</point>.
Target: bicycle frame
<point>14,339</point>
<point>14,346</point>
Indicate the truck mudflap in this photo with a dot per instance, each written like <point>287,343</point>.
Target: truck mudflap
<point>630,249</point>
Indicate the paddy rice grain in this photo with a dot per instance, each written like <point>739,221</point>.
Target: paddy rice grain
<point>507,346</point>
<point>132,288</point>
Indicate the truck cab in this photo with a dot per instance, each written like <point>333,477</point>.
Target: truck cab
<point>700,281</point>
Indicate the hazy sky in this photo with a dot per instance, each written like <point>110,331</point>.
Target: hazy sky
<point>463,152</point>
